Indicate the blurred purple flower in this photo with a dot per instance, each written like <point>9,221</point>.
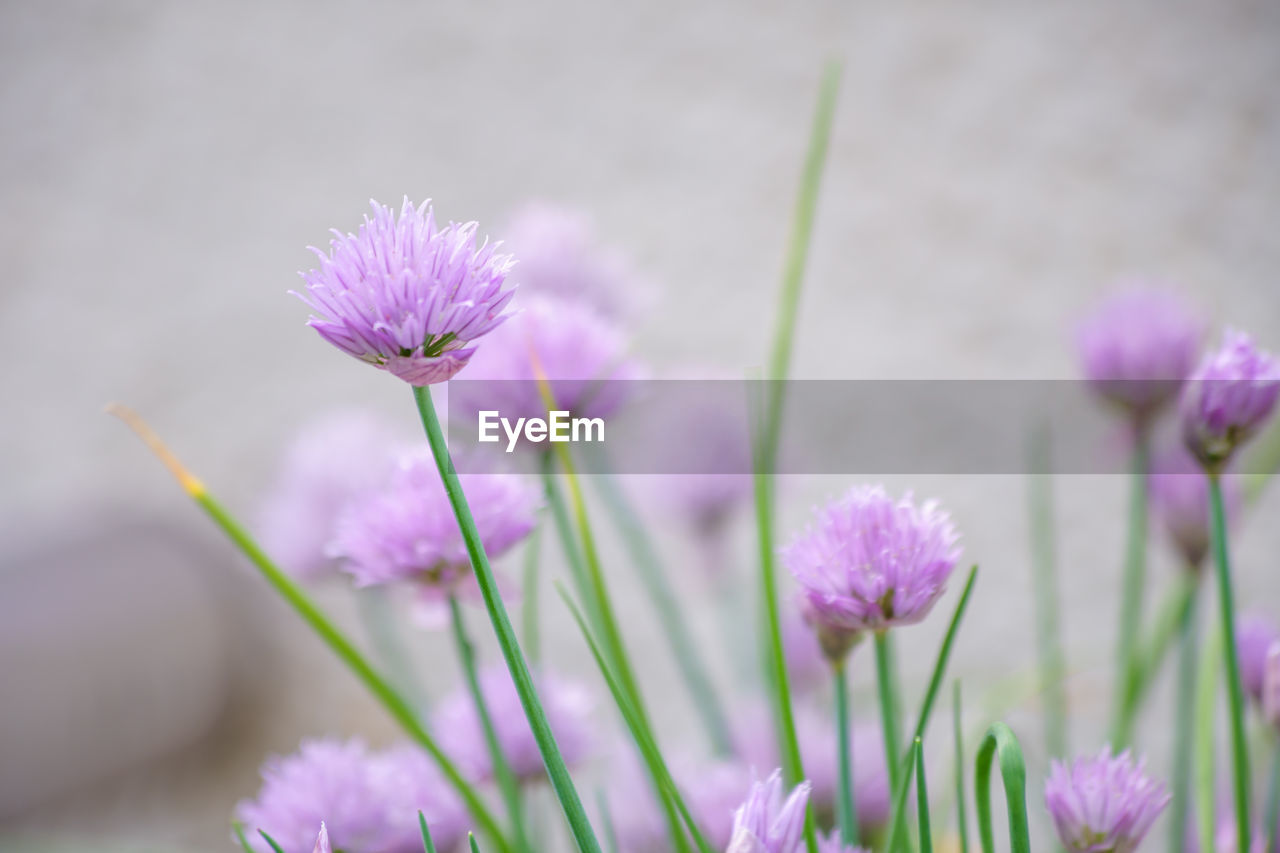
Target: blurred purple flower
<point>560,254</point>
<point>582,354</point>
<point>1137,348</point>
<point>1271,687</point>
<point>1180,499</point>
<point>869,562</point>
<point>806,663</point>
<point>766,823</point>
<point>1255,635</point>
<point>711,790</point>
<point>411,782</point>
<point>333,460</point>
<point>329,781</point>
<point>407,530</point>
<point>569,710</point>
<point>1229,397</point>
<point>406,296</point>
<point>1104,804</point>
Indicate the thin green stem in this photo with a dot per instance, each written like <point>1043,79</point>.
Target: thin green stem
<point>271,842</point>
<point>379,619</point>
<point>568,541</point>
<point>962,819</point>
<point>667,790</point>
<point>683,647</point>
<point>558,773</point>
<point>1205,748</point>
<point>502,773</point>
<point>238,829</point>
<point>1002,742</point>
<point>529,622</point>
<point>922,799</point>
<point>944,655</point>
<point>427,844</point>
<point>471,842</point>
<point>1235,693</point>
<point>847,808</point>
<point>1184,705</point>
<point>1273,795</point>
<point>399,708</point>
<point>1052,659</point>
<point>766,448</point>
<point>1131,598</point>
<point>888,717</point>
<point>896,816</point>
<point>1168,620</point>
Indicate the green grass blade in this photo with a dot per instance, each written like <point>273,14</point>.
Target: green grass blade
<point>944,655</point>
<point>427,844</point>
<point>922,799</point>
<point>238,828</point>
<point>1003,743</point>
<point>638,728</point>
<point>471,842</point>
<point>1135,568</point>
<point>888,718</point>
<point>271,842</point>
<point>692,668</point>
<point>846,808</point>
<point>1184,713</point>
<point>1044,577</point>
<point>896,823</point>
<point>1205,752</point>
<point>962,818</point>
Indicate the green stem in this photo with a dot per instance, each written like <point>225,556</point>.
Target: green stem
<point>399,708</point>
<point>564,531</point>
<point>896,822</point>
<point>962,820</point>
<point>427,844</point>
<point>472,843</point>
<point>1273,795</point>
<point>1001,741</point>
<point>667,791</point>
<point>1205,748</point>
<point>501,768</point>
<point>922,799</point>
<point>1052,659</point>
<point>766,450</point>
<point>1168,621</point>
<point>379,619</point>
<point>1235,693</point>
<point>847,808</point>
<point>888,713</point>
<point>529,603</point>
<point>1131,600</point>
<point>558,773</point>
<point>944,655</point>
<point>1184,705</point>
<point>688,658</point>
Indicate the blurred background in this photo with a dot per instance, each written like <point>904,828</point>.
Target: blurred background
<point>995,169</point>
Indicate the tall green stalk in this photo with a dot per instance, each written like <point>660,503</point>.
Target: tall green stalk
<point>684,649</point>
<point>846,807</point>
<point>1184,706</point>
<point>557,771</point>
<point>766,446</point>
<point>888,710</point>
<point>1205,750</point>
<point>1235,692</point>
<point>1001,742</point>
<point>401,710</point>
<point>1135,568</point>
<point>1053,666</point>
<point>962,818</point>
<point>501,768</point>
<point>922,799</point>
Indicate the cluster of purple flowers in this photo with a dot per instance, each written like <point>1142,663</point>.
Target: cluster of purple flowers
<point>414,299</point>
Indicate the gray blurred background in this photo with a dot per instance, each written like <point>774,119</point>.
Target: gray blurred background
<point>994,169</point>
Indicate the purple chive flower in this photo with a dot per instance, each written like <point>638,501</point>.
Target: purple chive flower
<point>407,296</point>
<point>407,531</point>
<point>1137,348</point>
<point>1180,499</point>
<point>832,844</point>
<point>333,461</point>
<point>326,780</point>
<point>582,354</point>
<point>322,841</point>
<point>560,255</point>
<point>1255,635</point>
<point>1229,397</point>
<point>411,782</point>
<point>870,562</point>
<point>765,823</point>
<point>806,663</point>
<point>712,791</point>
<point>1104,804</point>
<point>569,710</point>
